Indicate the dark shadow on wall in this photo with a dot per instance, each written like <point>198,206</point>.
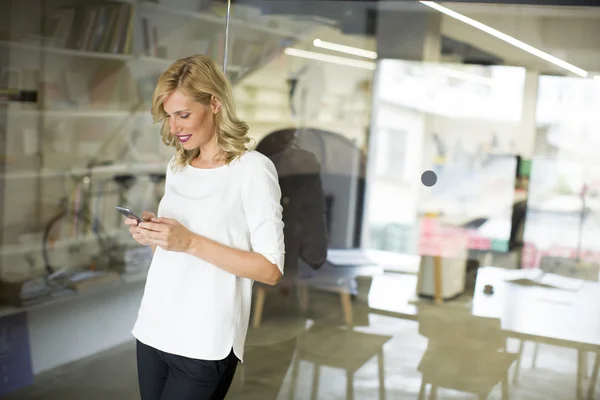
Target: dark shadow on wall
<point>319,175</point>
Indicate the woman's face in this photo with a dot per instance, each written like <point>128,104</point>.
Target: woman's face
<point>191,122</point>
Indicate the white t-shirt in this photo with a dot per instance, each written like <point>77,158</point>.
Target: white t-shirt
<point>192,308</point>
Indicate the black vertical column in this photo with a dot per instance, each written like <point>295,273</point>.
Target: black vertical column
<point>412,32</point>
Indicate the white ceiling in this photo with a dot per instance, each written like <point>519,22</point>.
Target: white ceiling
<point>569,33</point>
<point>474,9</point>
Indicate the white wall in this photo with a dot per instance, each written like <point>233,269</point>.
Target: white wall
<point>73,329</point>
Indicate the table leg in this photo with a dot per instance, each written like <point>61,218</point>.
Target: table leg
<point>303,295</point>
<point>295,373</point>
<point>433,392</point>
<point>349,385</point>
<point>536,350</point>
<point>505,388</point>
<point>580,361</point>
<point>594,377</point>
<point>259,303</point>
<point>381,375</point>
<point>347,307</point>
<point>314,395</point>
<point>518,363</point>
<point>423,390</point>
<point>437,279</point>
<point>242,368</point>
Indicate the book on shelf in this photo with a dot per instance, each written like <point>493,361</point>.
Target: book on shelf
<point>104,86</point>
<point>150,37</point>
<point>34,291</point>
<point>113,87</point>
<point>98,27</point>
<point>88,279</point>
<point>22,293</point>
<point>58,26</point>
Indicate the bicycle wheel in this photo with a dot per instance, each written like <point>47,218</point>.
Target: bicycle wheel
<point>71,240</point>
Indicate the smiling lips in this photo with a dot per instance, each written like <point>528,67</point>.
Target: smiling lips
<point>183,138</point>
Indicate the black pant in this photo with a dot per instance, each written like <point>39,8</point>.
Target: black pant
<point>164,376</point>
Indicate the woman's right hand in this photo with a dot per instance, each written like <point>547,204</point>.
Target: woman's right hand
<point>135,230</point>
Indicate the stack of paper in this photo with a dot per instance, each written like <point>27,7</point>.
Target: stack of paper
<point>536,277</point>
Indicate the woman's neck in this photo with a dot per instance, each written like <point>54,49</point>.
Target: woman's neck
<point>209,158</point>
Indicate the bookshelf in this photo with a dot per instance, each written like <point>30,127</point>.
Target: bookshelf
<point>29,113</point>
<point>261,25</point>
<point>93,65</point>
<point>127,281</point>
<point>89,131</point>
<point>99,171</point>
<point>38,48</point>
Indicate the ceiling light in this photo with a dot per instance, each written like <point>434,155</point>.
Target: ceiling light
<point>311,55</point>
<point>507,38</point>
<point>373,55</point>
<point>345,49</point>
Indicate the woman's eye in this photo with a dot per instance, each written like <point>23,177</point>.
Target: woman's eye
<point>184,116</point>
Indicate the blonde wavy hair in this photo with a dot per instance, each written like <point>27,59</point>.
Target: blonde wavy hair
<point>199,77</point>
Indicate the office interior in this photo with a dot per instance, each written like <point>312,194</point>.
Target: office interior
<point>456,148</point>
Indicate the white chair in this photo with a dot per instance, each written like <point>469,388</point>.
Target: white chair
<point>464,353</point>
<point>342,348</point>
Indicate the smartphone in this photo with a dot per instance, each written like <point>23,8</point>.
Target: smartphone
<point>128,213</point>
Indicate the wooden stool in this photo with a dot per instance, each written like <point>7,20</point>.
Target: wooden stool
<point>337,347</point>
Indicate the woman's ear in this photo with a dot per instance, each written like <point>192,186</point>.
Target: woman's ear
<point>215,105</point>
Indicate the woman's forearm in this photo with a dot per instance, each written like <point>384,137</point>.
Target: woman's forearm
<point>247,264</point>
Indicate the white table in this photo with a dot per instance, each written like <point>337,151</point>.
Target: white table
<point>561,317</point>
<point>389,261</point>
<point>554,316</point>
<point>564,318</point>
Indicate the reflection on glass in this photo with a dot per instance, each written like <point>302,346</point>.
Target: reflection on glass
<point>375,93</point>
<point>462,123</point>
<point>563,215</point>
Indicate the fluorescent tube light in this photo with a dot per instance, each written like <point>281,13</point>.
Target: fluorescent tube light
<point>345,49</point>
<point>373,55</point>
<point>507,38</point>
<point>311,55</point>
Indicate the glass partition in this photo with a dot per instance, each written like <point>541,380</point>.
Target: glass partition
<point>563,185</point>
<point>438,176</point>
<point>462,123</point>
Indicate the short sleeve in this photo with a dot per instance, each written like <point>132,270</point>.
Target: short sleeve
<point>261,197</point>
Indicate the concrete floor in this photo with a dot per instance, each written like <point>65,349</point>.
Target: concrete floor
<point>381,350</point>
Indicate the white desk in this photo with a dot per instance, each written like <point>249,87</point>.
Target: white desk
<point>553,316</point>
<point>561,317</point>
<point>389,261</point>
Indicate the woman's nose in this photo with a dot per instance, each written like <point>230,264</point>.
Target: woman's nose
<point>173,126</point>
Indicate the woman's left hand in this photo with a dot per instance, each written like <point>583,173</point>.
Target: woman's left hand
<point>167,233</point>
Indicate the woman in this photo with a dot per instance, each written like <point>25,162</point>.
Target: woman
<point>219,228</point>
